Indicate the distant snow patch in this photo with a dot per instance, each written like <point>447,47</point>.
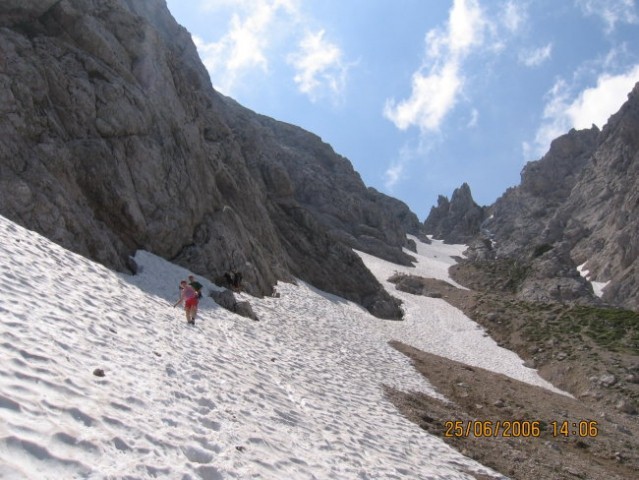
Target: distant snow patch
<point>597,287</point>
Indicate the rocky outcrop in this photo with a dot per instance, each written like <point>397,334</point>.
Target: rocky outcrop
<point>226,299</point>
<point>520,216</point>
<point>457,220</point>
<point>414,285</point>
<point>15,12</point>
<point>112,139</point>
<point>576,206</point>
<point>553,277</point>
<point>297,165</point>
<point>600,219</point>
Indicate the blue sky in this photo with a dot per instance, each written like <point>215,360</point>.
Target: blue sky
<point>423,95</point>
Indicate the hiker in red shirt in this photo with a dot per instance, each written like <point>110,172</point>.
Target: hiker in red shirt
<point>188,295</point>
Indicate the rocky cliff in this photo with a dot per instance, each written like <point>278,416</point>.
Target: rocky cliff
<point>457,220</point>
<point>577,206</point>
<point>113,139</point>
<point>519,217</point>
<point>522,217</point>
<point>600,219</point>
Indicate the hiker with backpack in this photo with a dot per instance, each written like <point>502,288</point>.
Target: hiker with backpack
<point>188,295</point>
<point>197,286</point>
<point>234,279</point>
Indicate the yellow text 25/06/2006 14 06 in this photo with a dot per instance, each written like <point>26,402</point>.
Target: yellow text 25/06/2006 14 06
<point>519,428</point>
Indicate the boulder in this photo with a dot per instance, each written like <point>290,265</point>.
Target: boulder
<point>226,299</point>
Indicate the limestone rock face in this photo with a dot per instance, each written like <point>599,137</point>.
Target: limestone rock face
<point>554,278</point>
<point>294,165</point>
<point>519,217</point>
<point>601,216</point>
<point>522,220</point>
<point>457,220</point>
<point>113,139</point>
<point>577,205</point>
<point>19,11</point>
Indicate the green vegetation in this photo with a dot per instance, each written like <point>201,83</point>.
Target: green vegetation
<point>517,273</point>
<point>505,274</point>
<point>541,249</point>
<point>612,328</point>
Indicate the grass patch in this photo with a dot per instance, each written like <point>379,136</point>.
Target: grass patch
<point>612,328</point>
<point>541,249</point>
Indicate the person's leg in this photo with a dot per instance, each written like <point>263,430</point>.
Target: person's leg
<point>190,308</point>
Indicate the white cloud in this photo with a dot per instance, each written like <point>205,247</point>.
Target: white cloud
<point>433,96</point>
<point>394,174</point>
<point>565,110</point>
<point>534,58</point>
<point>408,153</point>
<point>595,105</point>
<point>260,31</point>
<point>437,85</point>
<point>320,68</point>
<point>474,118</point>
<point>246,5</point>
<point>514,16</point>
<point>610,11</point>
<point>253,31</point>
<point>465,26</point>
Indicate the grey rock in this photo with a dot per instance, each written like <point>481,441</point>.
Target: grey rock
<point>574,472</point>
<point>607,380</point>
<point>581,199</point>
<point>553,277</point>
<point>626,406</point>
<point>600,216</point>
<point>409,283</point>
<point>577,204</point>
<point>520,225</point>
<point>432,294</point>
<point>226,299</point>
<point>457,220</point>
<point>244,309</point>
<point>19,11</point>
<point>412,284</point>
<point>112,139</point>
<point>411,245</point>
<point>520,216</point>
<point>480,249</point>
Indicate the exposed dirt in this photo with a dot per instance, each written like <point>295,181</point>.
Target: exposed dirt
<point>568,347</point>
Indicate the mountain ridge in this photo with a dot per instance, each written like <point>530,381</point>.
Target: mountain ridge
<point>575,207</point>
<point>113,139</point>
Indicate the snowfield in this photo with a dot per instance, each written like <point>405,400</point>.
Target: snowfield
<point>597,287</point>
<point>297,395</point>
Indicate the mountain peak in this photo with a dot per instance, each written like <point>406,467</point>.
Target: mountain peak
<point>457,220</point>
<point>576,206</point>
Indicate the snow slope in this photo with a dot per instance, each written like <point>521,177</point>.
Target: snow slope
<point>597,287</point>
<point>297,395</point>
<point>432,325</point>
